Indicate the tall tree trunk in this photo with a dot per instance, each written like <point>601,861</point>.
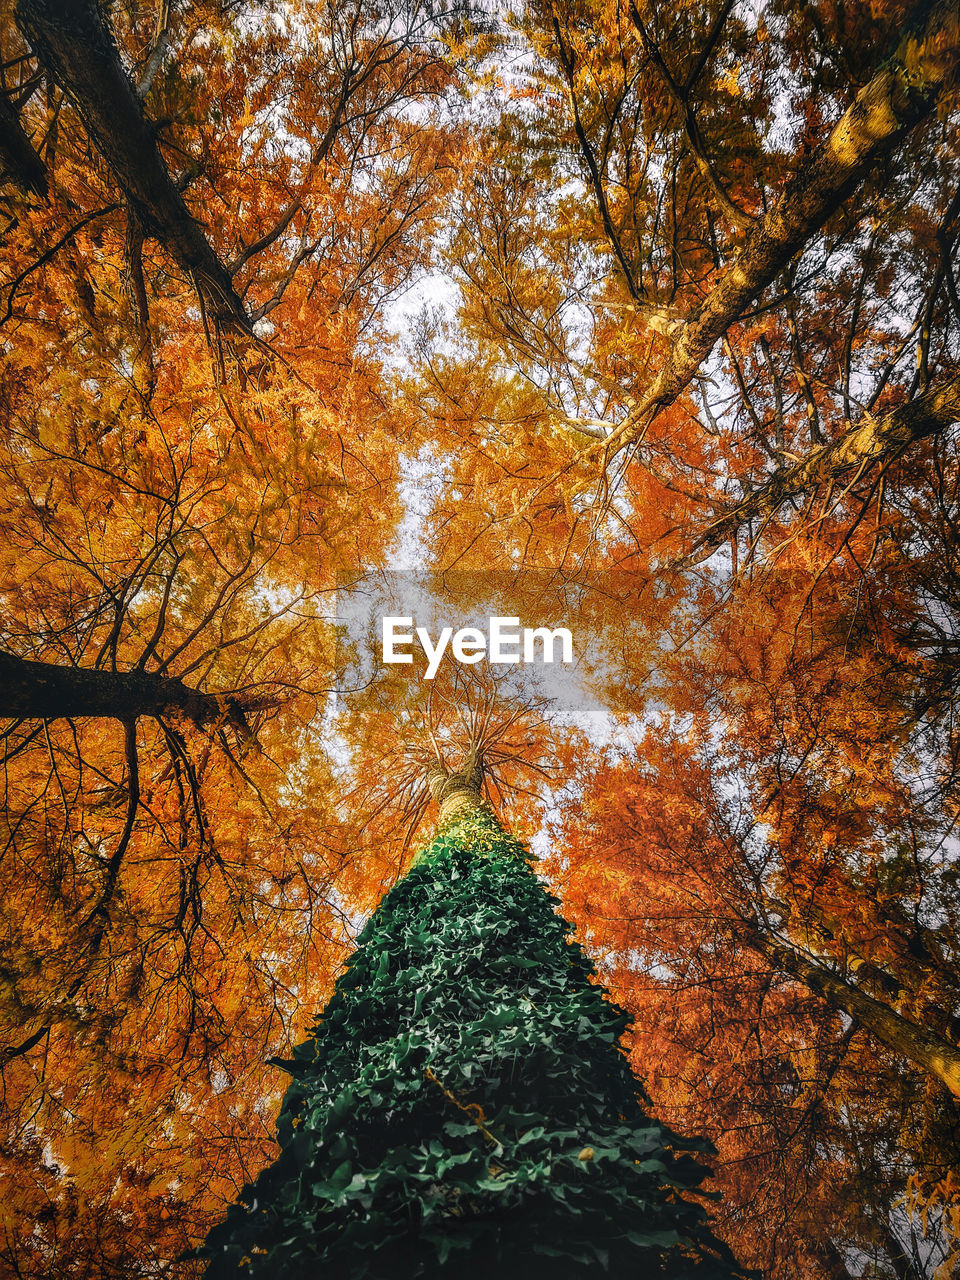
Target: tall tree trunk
<point>926,1049</point>
<point>462,1109</point>
<point>73,43</point>
<point>903,93</point>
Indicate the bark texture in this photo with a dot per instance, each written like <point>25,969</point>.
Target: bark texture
<point>45,691</point>
<point>457,794</point>
<point>74,44</point>
<point>929,1051</point>
<point>19,159</point>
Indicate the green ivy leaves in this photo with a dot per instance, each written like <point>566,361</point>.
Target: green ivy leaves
<point>442,1109</point>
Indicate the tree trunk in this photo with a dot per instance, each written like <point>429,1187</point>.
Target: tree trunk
<point>73,43</point>
<point>462,1109</point>
<point>457,794</point>
<point>868,442</point>
<point>17,154</point>
<point>902,1261</point>
<point>930,1052</point>
<point>834,1264</point>
<point>902,93</point>
<point>45,691</point>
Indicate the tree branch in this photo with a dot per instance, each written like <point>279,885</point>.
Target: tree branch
<point>45,691</point>
<point>681,99</point>
<point>20,160</point>
<point>903,93</point>
<point>926,1049</point>
<point>13,285</point>
<point>133,801</point>
<point>568,62</point>
<point>869,442</point>
<point>72,41</point>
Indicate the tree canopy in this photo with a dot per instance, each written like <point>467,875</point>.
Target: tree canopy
<point>652,305</point>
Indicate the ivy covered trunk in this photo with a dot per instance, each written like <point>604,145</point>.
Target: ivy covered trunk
<point>462,1107</point>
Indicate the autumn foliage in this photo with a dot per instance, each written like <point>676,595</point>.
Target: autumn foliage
<point>656,299</point>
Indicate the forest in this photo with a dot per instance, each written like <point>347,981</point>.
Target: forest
<point>635,317</point>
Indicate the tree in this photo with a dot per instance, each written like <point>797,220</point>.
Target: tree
<point>765,465</point>
<point>699,367</point>
<point>461,1106</point>
<point>708,901</point>
<point>177,504</point>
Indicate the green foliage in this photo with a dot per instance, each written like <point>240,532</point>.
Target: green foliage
<point>462,1106</point>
